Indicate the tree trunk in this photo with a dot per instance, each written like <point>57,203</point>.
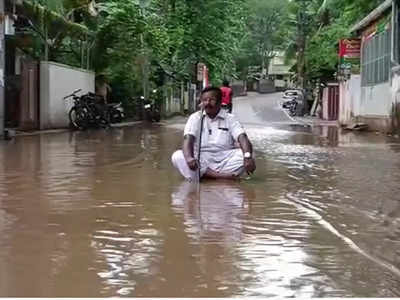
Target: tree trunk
<point>301,49</point>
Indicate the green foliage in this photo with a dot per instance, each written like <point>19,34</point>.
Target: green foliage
<point>322,51</point>
<point>267,32</point>
<point>161,38</point>
<point>207,31</point>
<point>317,26</point>
<point>51,27</point>
<point>136,41</point>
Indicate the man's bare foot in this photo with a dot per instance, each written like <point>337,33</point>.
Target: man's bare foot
<point>211,174</point>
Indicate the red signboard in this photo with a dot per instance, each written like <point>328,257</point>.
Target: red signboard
<point>349,48</point>
<point>349,56</point>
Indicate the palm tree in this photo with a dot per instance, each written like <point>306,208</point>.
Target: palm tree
<point>67,8</point>
<point>53,23</point>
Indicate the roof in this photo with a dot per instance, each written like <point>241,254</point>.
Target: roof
<point>375,14</point>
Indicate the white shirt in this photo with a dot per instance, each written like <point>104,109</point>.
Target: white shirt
<point>219,134</point>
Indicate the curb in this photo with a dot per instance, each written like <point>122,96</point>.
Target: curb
<point>62,130</point>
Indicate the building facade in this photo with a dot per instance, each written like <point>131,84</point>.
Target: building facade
<point>279,72</point>
<point>372,96</point>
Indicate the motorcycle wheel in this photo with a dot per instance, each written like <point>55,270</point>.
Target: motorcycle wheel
<point>78,118</point>
<point>115,117</point>
<point>156,116</point>
<point>103,122</point>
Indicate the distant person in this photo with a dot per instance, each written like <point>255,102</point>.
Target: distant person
<point>102,93</point>
<point>103,89</point>
<point>227,95</point>
<point>220,158</point>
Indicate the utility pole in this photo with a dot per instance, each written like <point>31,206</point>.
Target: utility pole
<point>2,67</point>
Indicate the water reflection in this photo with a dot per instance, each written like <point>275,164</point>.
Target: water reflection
<point>249,245</point>
<point>213,217</point>
<point>213,211</point>
<point>330,135</point>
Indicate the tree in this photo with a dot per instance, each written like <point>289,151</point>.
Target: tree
<point>207,31</point>
<point>302,19</point>
<point>177,34</point>
<point>316,27</point>
<point>56,37</point>
<point>267,29</point>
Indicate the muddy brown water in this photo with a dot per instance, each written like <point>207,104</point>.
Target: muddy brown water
<point>103,213</point>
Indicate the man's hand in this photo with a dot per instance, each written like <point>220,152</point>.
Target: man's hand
<point>192,164</point>
<point>248,162</point>
<point>249,165</point>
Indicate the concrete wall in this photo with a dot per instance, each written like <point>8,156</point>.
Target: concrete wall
<point>350,99</point>
<point>376,100</point>
<point>266,86</point>
<point>282,84</point>
<point>396,86</point>
<point>239,88</point>
<point>57,81</point>
<point>2,67</point>
<point>396,98</point>
<point>376,107</point>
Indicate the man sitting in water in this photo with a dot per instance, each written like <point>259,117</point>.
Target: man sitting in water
<point>219,157</point>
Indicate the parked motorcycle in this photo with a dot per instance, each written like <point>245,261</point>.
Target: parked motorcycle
<point>289,103</point>
<point>77,114</point>
<point>293,108</point>
<point>151,112</point>
<point>87,111</point>
<point>115,112</point>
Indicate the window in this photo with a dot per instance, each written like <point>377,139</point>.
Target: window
<point>375,61</point>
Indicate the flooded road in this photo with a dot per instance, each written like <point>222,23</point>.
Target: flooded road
<point>103,213</point>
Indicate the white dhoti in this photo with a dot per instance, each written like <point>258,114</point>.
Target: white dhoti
<point>227,161</point>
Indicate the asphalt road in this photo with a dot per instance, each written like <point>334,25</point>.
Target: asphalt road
<point>261,109</point>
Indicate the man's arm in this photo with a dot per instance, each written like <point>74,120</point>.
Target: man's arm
<point>246,146</point>
<point>245,143</point>
<point>188,151</point>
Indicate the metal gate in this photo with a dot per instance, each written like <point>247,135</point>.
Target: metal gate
<point>330,102</point>
<point>333,102</point>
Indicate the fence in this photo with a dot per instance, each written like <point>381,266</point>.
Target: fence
<point>178,98</point>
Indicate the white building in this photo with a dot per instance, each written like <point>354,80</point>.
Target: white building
<point>279,71</point>
<point>373,97</point>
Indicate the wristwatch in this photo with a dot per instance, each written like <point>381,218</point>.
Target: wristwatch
<point>247,155</point>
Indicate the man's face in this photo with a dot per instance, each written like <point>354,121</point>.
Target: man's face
<point>210,103</point>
